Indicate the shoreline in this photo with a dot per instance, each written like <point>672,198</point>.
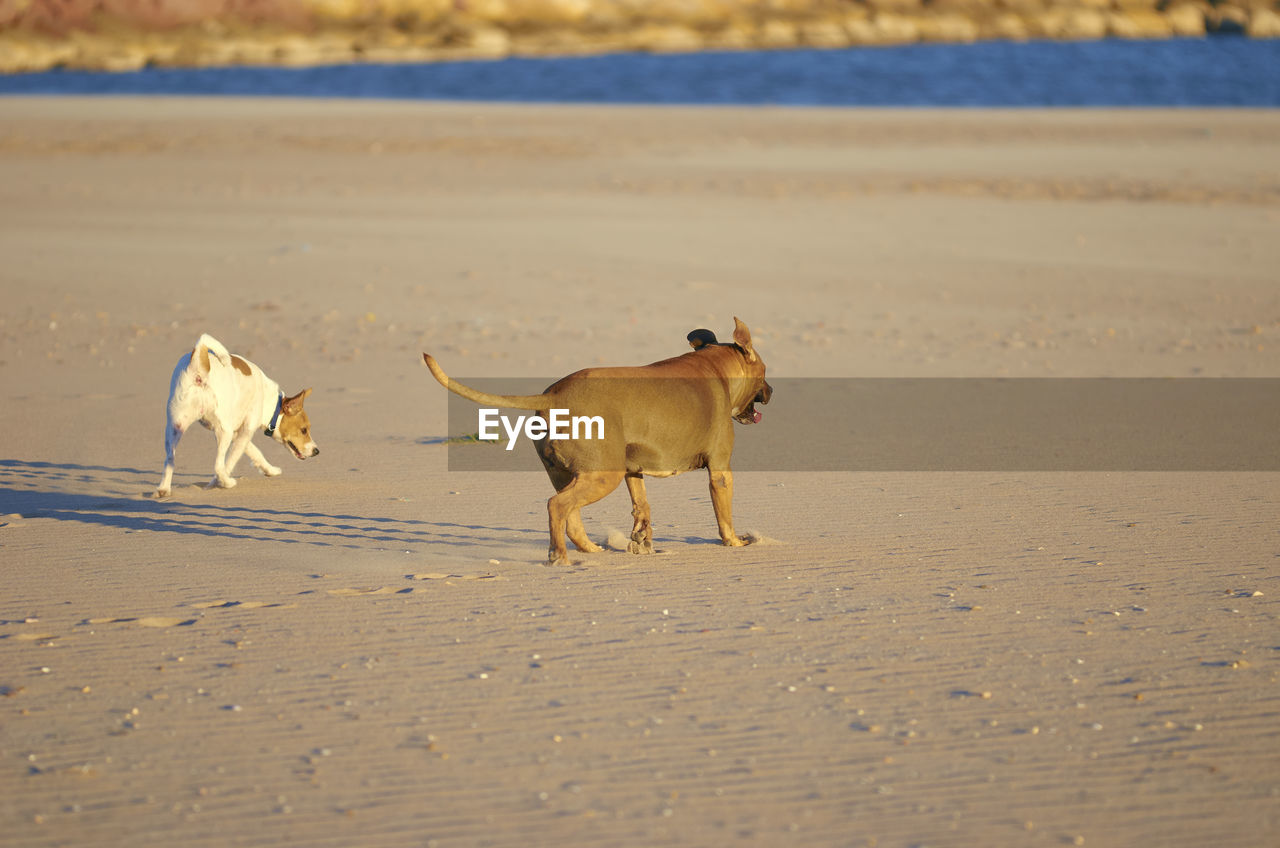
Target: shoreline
<point>1199,74</point>
<point>42,36</point>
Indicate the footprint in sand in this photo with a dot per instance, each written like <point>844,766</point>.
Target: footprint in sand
<point>242,605</point>
<point>145,621</point>
<point>162,621</point>
<point>32,637</point>
<point>391,590</point>
<point>365,590</point>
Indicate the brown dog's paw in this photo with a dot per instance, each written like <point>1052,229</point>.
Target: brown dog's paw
<point>634,547</point>
<point>735,542</point>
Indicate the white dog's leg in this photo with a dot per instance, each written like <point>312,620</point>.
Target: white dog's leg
<point>221,467</point>
<point>259,461</point>
<point>172,435</point>
<point>238,445</point>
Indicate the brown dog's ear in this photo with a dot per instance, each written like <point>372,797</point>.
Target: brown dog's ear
<point>701,338</point>
<point>291,405</point>
<point>742,337</point>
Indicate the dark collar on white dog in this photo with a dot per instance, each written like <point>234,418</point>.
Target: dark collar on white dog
<point>275,417</point>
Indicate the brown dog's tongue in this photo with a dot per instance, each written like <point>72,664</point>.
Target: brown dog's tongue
<point>758,415</point>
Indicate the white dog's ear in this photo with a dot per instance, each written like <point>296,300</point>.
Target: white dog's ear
<point>200,358</point>
<point>293,404</point>
<point>742,337</point>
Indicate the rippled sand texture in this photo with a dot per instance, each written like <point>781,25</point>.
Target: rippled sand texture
<point>368,651</point>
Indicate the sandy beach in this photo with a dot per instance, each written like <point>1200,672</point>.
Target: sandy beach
<point>369,650</point>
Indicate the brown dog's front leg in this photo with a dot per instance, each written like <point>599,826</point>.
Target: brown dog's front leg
<point>642,529</point>
<point>722,502</point>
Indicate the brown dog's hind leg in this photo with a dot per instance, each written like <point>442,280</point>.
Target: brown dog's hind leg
<point>722,502</point>
<point>573,523</point>
<point>584,489</point>
<point>642,530</point>
<point>578,534</point>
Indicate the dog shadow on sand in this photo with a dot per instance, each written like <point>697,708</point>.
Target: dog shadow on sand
<point>105,496</point>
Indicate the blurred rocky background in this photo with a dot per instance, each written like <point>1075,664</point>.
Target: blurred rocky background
<point>129,34</point>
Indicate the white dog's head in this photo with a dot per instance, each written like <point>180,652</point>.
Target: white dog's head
<point>293,430</point>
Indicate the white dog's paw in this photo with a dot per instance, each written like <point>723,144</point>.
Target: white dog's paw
<point>222,483</point>
<point>270,471</point>
<point>159,494</point>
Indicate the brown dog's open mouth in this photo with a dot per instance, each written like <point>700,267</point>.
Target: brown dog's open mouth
<point>294,448</point>
<point>750,415</point>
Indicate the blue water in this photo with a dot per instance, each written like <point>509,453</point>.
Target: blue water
<point>1222,71</point>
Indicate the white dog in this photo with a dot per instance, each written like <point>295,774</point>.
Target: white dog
<point>232,397</point>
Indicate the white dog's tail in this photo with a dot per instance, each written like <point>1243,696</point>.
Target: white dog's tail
<point>206,346</point>
<point>510,401</point>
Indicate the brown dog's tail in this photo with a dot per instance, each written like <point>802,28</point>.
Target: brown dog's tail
<point>534,402</point>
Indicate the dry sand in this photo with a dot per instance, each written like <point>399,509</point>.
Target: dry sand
<point>368,650</point>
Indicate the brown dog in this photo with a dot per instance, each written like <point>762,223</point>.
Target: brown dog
<point>661,419</point>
